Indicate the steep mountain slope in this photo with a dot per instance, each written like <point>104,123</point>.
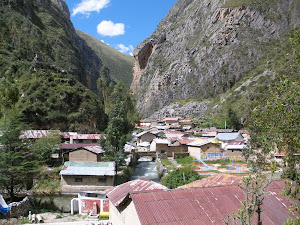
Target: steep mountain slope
<point>120,65</point>
<point>51,65</point>
<point>205,48</point>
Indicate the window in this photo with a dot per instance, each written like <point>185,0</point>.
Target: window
<point>80,141</point>
<point>78,179</point>
<point>102,180</point>
<point>94,141</point>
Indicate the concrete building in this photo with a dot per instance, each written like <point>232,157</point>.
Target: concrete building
<point>122,211</point>
<point>198,205</point>
<point>205,148</point>
<point>82,176</point>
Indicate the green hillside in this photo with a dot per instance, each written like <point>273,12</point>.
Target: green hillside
<point>119,64</point>
<point>40,61</point>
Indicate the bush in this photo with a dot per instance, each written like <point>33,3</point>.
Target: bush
<point>180,177</point>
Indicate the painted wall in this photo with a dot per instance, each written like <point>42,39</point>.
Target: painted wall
<point>126,216</point>
<point>91,183</point>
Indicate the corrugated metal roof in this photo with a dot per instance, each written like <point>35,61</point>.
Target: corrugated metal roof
<point>117,194</point>
<point>162,141</point>
<point>228,136</point>
<point>34,134</point>
<point>215,180</point>
<point>67,134</point>
<point>74,146</point>
<point>95,149</point>
<point>172,119</point>
<point>199,143</point>
<point>89,168</point>
<point>86,136</point>
<point>185,141</point>
<point>142,133</point>
<point>208,205</point>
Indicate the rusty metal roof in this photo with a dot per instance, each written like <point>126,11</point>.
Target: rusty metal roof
<point>34,134</point>
<point>85,136</point>
<point>185,141</point>
<point>117,194</point>
<point>215,180</point>
<point>75,146</point>
<point>90,147</point>
<point>208,205</point>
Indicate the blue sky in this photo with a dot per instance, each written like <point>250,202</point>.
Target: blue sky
<point>121,24</point>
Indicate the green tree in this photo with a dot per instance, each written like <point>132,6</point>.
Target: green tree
<point>254,188</point>
<point>233,120</point>
<point>180,177</point>
<point>17,163</point>
<point>45,146</point>
<point>9,93</point>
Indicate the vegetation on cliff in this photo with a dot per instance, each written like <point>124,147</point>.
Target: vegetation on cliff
<point>40,54</point>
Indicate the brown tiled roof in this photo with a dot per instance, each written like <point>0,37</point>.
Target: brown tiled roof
<point>205,205</point>
<point>215,180</point>
<point>86,136</point>
<point>117,194</point>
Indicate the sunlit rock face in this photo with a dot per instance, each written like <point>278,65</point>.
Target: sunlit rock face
<point>202,48</point>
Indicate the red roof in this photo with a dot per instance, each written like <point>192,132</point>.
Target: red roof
<point>34,134</point>
<point>171,119</point>
<point>185,121</point>
<point>244,132</point>
<point>86,136</point>
<point>185,141</point>
<point>205,205</point>
<point>215,180</point>
<point>117,194</point>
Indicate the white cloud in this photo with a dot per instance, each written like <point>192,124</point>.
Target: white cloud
<point>109,28</point>
<point>87,6</point>
<point>125,49</point>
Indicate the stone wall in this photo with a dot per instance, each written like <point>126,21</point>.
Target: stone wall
<point>18,209</point>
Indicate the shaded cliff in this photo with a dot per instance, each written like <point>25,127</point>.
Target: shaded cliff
<point>203,48</point>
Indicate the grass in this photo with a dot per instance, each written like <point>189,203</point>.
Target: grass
<point>223,167</point>
<point>119,64</point>
<point>167,164</point>
<point>185,161</point>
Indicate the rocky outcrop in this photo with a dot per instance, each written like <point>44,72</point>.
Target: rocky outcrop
<point>202,48</point>
<point>196,109</point>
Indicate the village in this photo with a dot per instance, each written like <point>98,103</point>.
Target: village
<point>217,154</point>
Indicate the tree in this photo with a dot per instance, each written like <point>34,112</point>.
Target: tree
<point>9,94</point>
<point>233,120</point>
<point>45,146</point>
<point>254,189</point>
<point>17,162</point>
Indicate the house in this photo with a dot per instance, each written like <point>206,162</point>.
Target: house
<point>171,121</point>
<point>160,145</point>
<point>88,153</point>
<point>82,176</point>
<point>226,138</point>
<point>84,138</point>
<point>145,136</point>
<point>235,148</point>
<point>118,200</point>
<point>199,205</point>
<point>205,148</point>
<point>229,137</point>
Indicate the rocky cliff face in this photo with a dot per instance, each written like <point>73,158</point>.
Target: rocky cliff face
<point>203,47</point>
